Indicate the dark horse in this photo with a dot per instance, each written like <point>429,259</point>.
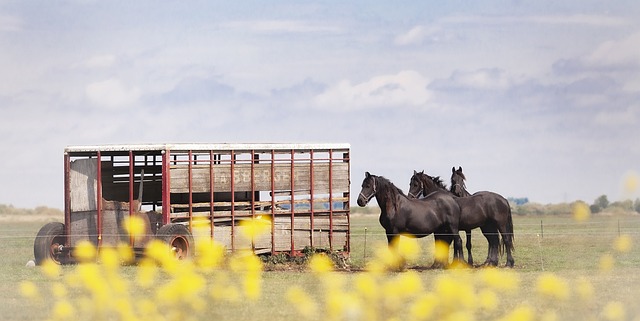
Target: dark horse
<point>487,210</point>
<point>400,214</point>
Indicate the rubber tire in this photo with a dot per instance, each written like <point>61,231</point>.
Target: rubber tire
<point>49,236</point>
<point>179,238</point>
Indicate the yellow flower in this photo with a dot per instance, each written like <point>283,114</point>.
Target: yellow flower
<point>441,251</point>
<point>521,313</point>
<point>424,306</point>
<point>585,289</point>
<point>320,263</point>
<point>252,286</point>
<point>551,286</point>
<point>488,300</point>
<point>125,252</point>
<point>147,272</point>
<point>623,243</point>
<point>409,283</point>
<point>51,269</point>
<point>550,316</point>
<point>59,290</point>
<point>63,310</point>
<point>606,262</point>
<point>501,280</point>
<point>581,211</point>
<point>109,258</point>
<point>134,225</point>
<point>631,182</point>
<point>302,302</point>
<point>455,291</point>
<point>29,290</point>
<point>255,227</point>
<point>85,251</point>
<point>614,311</point>
<point>365,284</point>
<point>406,247</point>
<point>210,253</point>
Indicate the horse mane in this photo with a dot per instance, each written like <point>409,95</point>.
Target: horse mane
<point>387,184</point>
<point>439,182</point>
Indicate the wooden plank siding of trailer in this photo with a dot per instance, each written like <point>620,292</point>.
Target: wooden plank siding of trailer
<point>318,226</point>
<point>262,178</point>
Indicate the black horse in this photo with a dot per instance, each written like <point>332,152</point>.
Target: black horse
<point>399,214</point>
<point>487,210</point>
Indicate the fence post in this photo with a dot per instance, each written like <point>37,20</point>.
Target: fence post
<point>364,256</point>
<point>541,229</point>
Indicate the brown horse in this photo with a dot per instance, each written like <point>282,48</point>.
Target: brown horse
<point>400,214</point>
<point>487,210</point>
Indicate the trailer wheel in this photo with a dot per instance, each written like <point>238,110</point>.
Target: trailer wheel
<point>49,242</point>
<point>179,239</point>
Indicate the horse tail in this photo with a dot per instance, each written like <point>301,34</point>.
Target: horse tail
<point>509,234</point>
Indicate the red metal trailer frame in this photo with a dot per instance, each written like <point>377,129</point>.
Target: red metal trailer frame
<point>302,188</point>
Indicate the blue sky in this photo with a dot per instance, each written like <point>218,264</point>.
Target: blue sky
<point>533,99</point>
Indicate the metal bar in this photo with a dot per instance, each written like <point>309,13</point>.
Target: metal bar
<point>273,203</point>
<point>253,195</point>
<point>211,186</point>
<point>166,183</point>
<point>67,198</point>
<point>233,200</point>
<point>293,245</point>
<point>131,174</point>
<point>331,200</point>
<point>346,158</point>
<point>99,199</point>
<point>190,184</point>
<point>312,196</point>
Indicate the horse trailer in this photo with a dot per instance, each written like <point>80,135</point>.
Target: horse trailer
<point>303,189</point>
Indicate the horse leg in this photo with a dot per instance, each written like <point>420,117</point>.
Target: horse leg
<point>441,236</point>
<point>491,234</point>
<point>470,260</point>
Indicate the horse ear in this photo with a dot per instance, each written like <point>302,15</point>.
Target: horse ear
<point>422,172</point>
<point>453,169</point>
<point>459,168</point>
<point>366,175</point>
<point>415,172</point>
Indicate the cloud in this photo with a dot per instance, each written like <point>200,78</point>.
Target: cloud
<point>10,23</point>
<point>111,93</point>
<point>282,26</point>
<point>100,61</point>
<point>421,34</point>
<point>574,19</point>
<point>612,55</point>
<point>406,88</point>
<point>615,118</point>
<point>481,79</point>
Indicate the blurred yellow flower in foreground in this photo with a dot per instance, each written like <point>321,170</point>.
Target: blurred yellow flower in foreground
<point>302,301</point>
<point>581,211</point>
<point>606,263</point>
<point>51,269</point>
<point>441,251</point>
<point>134,225</point>
<point>631,182</point>
<point>406,247</point>
<point>320,263</point>
<point>29,290</point>
<point>551,286</point>
<point>614,311</point>
<point>255,227</point>
<point>623,243</point>
<point>522,312</point>
<point>85,251</point>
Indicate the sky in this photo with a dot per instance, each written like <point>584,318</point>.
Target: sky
<point>537,99</point>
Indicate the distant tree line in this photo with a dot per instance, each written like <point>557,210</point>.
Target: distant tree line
<point>10,210</point>
<point>600,205</point>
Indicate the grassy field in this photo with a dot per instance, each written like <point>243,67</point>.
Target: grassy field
<point>573,251</point>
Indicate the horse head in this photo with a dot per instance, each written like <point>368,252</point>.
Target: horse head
<point>457,182</point>
<point>368,189</point>
<point>416,185</point>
